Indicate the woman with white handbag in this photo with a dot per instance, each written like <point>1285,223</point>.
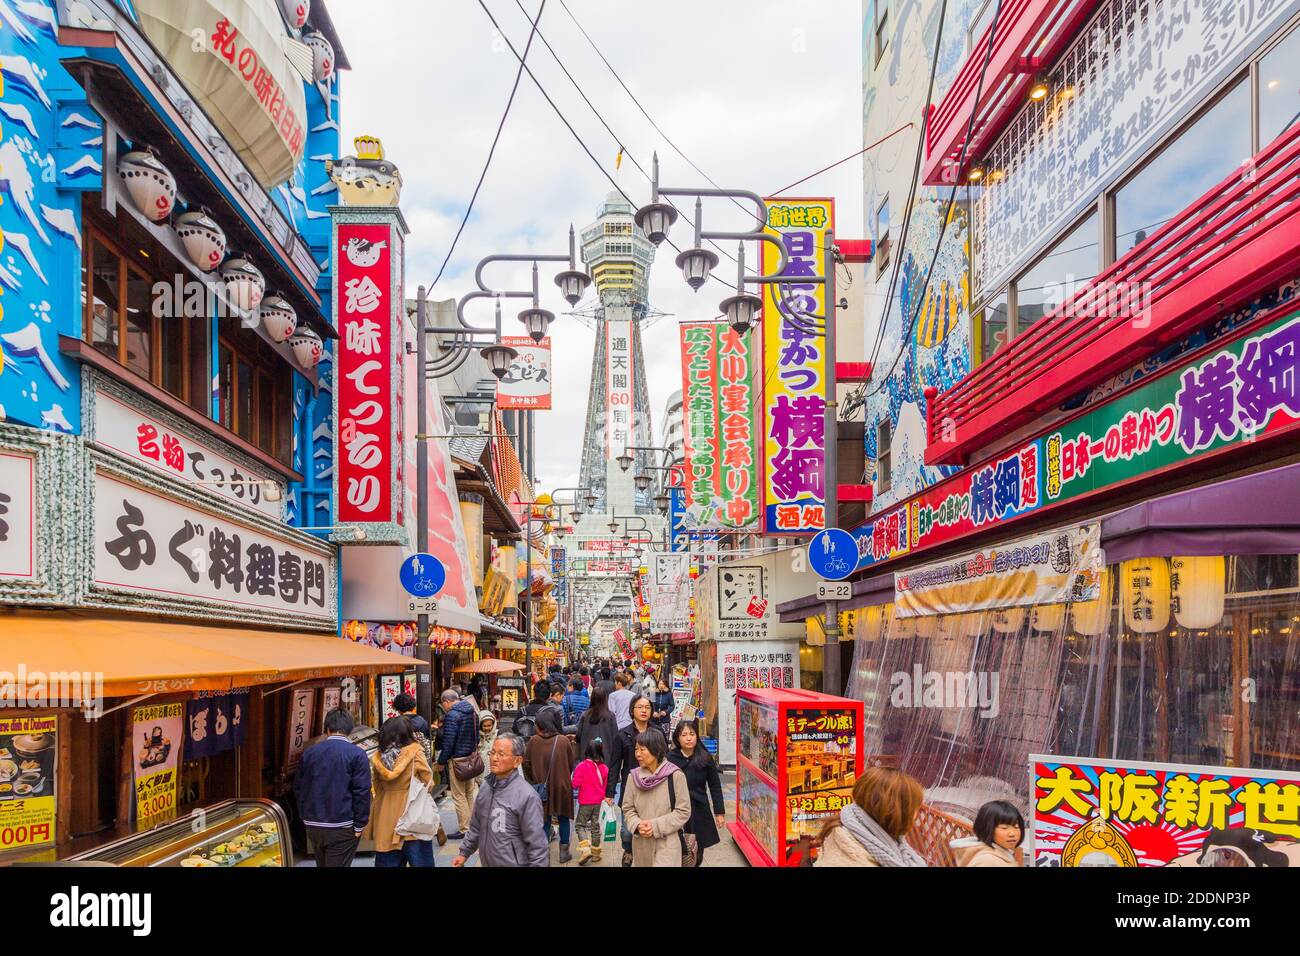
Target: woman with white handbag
<point>403,817</point>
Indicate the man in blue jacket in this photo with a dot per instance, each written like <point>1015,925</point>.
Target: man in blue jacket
<point>333,791</point>
<point>575,702</point>
<point>459,739</point>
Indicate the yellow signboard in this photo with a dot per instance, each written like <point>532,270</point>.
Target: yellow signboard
<point>28,759</point>
<point>157,731</point>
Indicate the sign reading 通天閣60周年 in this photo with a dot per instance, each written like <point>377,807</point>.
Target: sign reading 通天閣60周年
<point>1241,391</point>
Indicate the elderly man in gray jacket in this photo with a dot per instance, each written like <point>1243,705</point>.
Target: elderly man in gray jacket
<point>505,827</point>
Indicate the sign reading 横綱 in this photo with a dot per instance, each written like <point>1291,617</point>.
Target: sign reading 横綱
<point>618,387</point>
<point>17,515</point>
<point>1052,567</point>
<point>1245,390</point>
<point>794,370</point>
<point>719,434</point>
<point>1098,812</point>
<point>527,383</point>
<point>368,388</point>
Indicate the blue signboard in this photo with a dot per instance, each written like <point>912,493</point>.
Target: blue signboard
<point>423,575</point>
<point>833,554</point>
<point>677,533</point>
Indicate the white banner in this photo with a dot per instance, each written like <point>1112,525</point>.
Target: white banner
<point>527,383</point>
<point>156,545</point>
<point>607,569</point>
<point>618,387</point>
<point>670,592</point>
<point>144,439</point>
<point>17,515</point>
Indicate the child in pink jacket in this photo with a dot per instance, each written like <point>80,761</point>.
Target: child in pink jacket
<point>589,778</point>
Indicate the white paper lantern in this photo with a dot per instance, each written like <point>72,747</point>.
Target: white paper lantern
<point>279,317</point>
<point>245,284</point>
<point>322,55</point>
<point>307,347</point>
<point>874,628</point>
<point>1144,589</point>
<point>1047,617</point>
<point>1197,586</point>
<point>204,240</point>
<point>1093,617</point>
<point>1008,620</point>
<point>149,183</point>
<point>296,12</point>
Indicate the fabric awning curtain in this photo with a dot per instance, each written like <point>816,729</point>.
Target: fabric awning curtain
<point>140,657</point>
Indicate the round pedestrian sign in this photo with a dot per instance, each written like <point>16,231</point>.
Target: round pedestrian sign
<point>423,575</point>
<point>833,554</point>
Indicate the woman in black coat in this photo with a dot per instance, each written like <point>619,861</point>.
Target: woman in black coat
<point>702,776</point>
<point>598,721</point>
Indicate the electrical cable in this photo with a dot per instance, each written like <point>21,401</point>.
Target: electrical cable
<point>492,150</point>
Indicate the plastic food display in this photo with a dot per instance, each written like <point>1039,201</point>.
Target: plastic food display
<point>246,833</point>
<point>798,755</point>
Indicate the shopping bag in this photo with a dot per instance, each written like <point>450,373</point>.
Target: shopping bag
<point>420,818</point>
<point>608,823</point>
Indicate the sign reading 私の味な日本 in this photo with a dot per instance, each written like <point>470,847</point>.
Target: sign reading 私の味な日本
<point>368,369</point>
<point>153,551</point>
<point>28,768</point>
<point>719,435</point>
<point>1052,567</point>
<point>527,383</point>
<point>157,733</point>
<point>618,387</point>
<point>17,515</point>
<point>1098,812</point>
<point>794,370</point>
<point>1242,391</point>
<point>174,452</point>
<point>670,592</point>
<point>743,609</point>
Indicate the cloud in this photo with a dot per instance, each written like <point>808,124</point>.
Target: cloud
<point>757,94</point>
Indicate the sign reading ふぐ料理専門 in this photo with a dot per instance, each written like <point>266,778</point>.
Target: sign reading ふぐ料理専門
<point>794,369</point>
<point>1245,390</point>
<point>1098,812</point>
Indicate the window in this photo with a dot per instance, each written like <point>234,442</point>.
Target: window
<point>882,28</point>
<point>1279,89</point>
<point>1058,275</point>
<point>1204,152</point>
<point>130,317</point>
<point>991,326</point>
<point>979,24</point>
<point>883,454</point>
<point>881,231</point>
<point>255,383</point>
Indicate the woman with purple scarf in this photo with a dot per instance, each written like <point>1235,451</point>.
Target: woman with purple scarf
<point>656,804</point>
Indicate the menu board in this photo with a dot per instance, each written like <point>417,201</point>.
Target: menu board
<point>757,808</point>
<point>28,764</point>
<point>820,767</point>
<point>156,731</point>
<point>756,735</point>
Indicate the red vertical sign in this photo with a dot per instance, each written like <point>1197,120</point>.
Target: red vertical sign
<point>369,428</point>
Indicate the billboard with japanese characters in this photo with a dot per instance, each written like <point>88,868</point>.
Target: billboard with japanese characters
<point>719,434</point>
<point>367,294</point>
<point>527,383</point>
<point>618,387</point>
<point>756,664</point>
<point>794,370</point>
<point>1090,812</point>
<point>820,768</point>
<point>1243,391</point>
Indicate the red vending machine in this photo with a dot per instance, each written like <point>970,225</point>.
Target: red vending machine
<point>798,755</point>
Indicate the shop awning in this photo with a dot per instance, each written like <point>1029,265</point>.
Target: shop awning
<point>143,657</point>
<point>487,626</point>
<point>868,592</point>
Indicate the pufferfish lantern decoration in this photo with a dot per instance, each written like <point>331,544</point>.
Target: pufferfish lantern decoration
<point>322,55</point>
<point>150,184</point>
<point>296,12</point>
<point>366,179</point>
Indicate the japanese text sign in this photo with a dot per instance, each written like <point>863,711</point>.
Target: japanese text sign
<point>17,515</point>
<point>368,375</point>
<point>302,710</point>
<point>157,734</point>
<point>527,383</point>
<point>28,745</point>
<point>214,722</point>
<point>794,370</point>
<point>1090,812</point>
<point>821,768</point>
<point>719,432</point>
<point>619,404</point>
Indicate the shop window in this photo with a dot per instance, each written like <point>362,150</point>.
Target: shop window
<point>1279,89</point>
<point>131,320</point>
<point>884,457</point>
<point>256,390</point>
<point>1201,155</point>
<point>1059,274</point>
<point>992,327</point>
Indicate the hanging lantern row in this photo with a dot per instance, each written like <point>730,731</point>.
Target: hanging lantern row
<point>152,189</point>
<point>450,639</point>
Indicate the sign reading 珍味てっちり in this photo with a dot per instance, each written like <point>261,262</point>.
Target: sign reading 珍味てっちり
<point>1052,567</point>
<point>28,768</point>
<point>719,435</point>
<point>527,383</point>
<point>1246,390</point>
<point>1095,812</point>
<point>157,735</point>
<point>794,370</point>
<point>368,388</point>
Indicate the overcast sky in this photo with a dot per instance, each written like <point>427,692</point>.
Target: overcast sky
<point>757,93</point>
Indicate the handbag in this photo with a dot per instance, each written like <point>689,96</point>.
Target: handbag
<point>471,765</point>
<point>690,843</point>
<point>420,818</point>
<point>608,823</point>
<point>541,788</point>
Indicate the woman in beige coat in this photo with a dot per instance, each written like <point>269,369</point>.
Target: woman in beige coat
<point>872,830</point>
<point>656,804</point>
<point>392,766</point>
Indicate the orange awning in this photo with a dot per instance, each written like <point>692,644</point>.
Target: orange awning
<point>137,656</point>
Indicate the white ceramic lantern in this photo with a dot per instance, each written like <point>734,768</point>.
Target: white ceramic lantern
<point>204,240</point>
<point>322,55</point>
<point>245,284</point>
<point>1144,586</point>
<point>1093,617</point>
<point>307,347</point>
<point>279,317</point>
<point>149,183</point>
<point>1198,586</point>
<point>296,12</point>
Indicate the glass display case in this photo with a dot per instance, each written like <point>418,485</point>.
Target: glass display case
<point>246,833</point>
<point>798,756</point>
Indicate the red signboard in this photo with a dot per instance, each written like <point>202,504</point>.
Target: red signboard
<point>367,375</point>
